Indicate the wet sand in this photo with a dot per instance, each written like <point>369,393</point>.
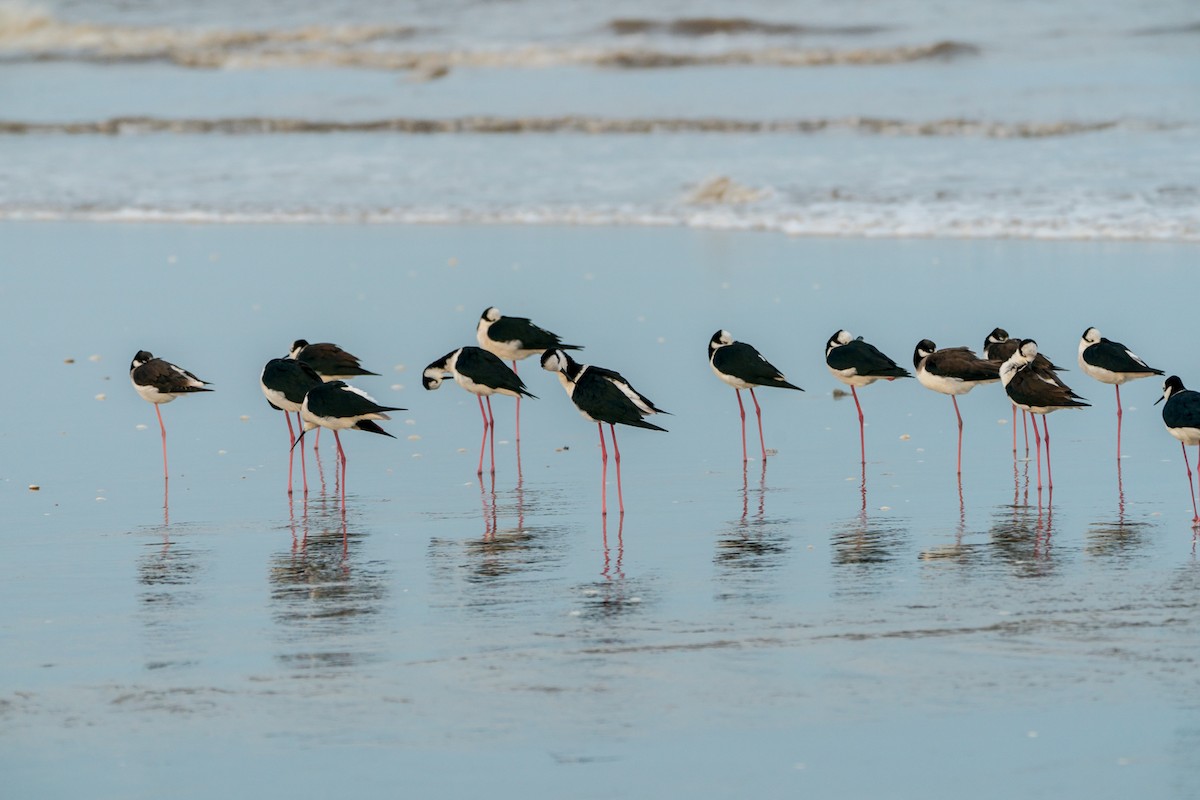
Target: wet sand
<point>812,627</point>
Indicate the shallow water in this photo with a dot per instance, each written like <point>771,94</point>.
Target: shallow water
<point>739,632</point>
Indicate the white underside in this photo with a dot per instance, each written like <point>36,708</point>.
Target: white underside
<point>736,383</point>
<point>850,377</point>
<point>278,399</point>
<point>152,395</point>
<point>1186,435</point>
<point>1106,376</point>
<point>945,385</point>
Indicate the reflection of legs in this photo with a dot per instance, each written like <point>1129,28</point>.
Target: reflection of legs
<point>761,440</point>
<point>862,436</point>
<point>742,412</point>
<point>617,458</point>
<point>604,472</point>
<point>163,428</point>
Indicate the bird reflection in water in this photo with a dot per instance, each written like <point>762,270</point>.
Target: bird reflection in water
<point>752,545</point>
<point>501,551</point>
<point>323,599</point>
<point>1116,536</point>
<point>167,573</point>
<point>1022,535</point>
<point>956,552</point>
<point>866,546</point>
<point>614,596</point>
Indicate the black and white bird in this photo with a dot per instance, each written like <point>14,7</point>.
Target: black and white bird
<point>1113,363</point>
<point>1181,415</point>
<point>159,382</point>
<point>338,406</point>
<point>999,346</point>
<point>953,371</point>
<point>1038,391</point>
<point>482,374</point>
<point>602,396</point>
<point>515,339</point>
<point>284,382</point>
<point>743,367</point>
<point>856,363</point>
<point>331,362</point>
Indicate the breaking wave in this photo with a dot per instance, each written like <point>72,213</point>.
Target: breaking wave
<point>574,124</point>
<point>32,35</point>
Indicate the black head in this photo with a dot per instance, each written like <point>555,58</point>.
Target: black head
<point>719,339</point>
<point>837,340</point>
<point>1171,386</point>
<point>997,335</point>
<point>141,358</point>
<point>297,346</point>
<point>1028,349</point>
<point>924,348</point>
<point>435,373</point>
<point>490,314</point>
<point>1091,335</point>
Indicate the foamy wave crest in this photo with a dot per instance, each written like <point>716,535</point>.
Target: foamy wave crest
<point>574,124</point>
<point>30,34</point>
<point>872,222</point>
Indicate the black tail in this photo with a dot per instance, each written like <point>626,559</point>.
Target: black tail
<point>370,427</point>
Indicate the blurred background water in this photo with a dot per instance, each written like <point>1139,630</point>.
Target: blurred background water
<point>908,118</point>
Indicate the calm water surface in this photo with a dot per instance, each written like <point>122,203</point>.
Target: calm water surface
<point>807,627</point>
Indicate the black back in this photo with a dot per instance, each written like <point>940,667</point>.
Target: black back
<point>1115,357</point>
<point>596,396</point>
<point>487,368</point>
<point>744,362</point>
<point>290,377</point>
<point>335,400</point>
<point>866,360</point>
<point>530,336</point>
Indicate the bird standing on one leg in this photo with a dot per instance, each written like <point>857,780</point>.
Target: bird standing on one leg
<point>602,396</point>
<point>1114,363</point>
<point>159,382</point>
<point>743,367</point>
<point>953,371</point>
<point>856,363</point>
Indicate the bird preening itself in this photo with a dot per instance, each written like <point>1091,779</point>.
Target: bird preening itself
<point>1181,415</point>
<point>999,346</point>
<point>482,374</point>
<point>856,363</point>
<point>602,396</point>
<point>953,371</point>
<point>1037,390</point>
<point>1113,363</point>
<point>159,382</point>
<point>338,406</point>
<point>285,382</point>
<point>743,367</point>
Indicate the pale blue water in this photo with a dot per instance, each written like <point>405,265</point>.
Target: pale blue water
<point>735,635</point>
<point>1066,120</point>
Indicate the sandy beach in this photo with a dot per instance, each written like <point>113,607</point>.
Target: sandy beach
<point>453,638</point>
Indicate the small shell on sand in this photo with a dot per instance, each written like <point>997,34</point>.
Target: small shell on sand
<point>33,487</point>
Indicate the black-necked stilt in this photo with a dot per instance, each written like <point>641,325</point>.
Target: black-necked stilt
<point>482,374</point>
<point>1038,391</point>
<point>338,406</point>
<point>1181,415</point>
<point>331,362</point>
<point>159,382</point>
<point>953,371</point>
<point>284,383</point>
<point>743,367</point>
<point>1114,363</point>
<point>515,339</point>
<point>999,346</point>
<point>602,396</point>
<point>856,363</point>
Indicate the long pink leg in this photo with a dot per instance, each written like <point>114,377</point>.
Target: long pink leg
<point>1049,471</point>
<point>742,411</point>
<point>342,456</point>
<point>317,443</point>
<point>955,399</point>
<point>1014,432</point>
<point>166,475</point>
<point>303,465</point>
<point>758,411</point>
<point>492,433</point>
<point>862,436</point>
<point>617,458</point>
<point>291,450</point>
<point>604,472</point>
<point>1025,422</point>
<point>483,443</point>
<point>1038,447</point>
<point>1118,387</point>
<point>1195,513</point>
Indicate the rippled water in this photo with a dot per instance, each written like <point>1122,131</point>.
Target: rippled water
<point>811,626</point>
<point>1061,121</point>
